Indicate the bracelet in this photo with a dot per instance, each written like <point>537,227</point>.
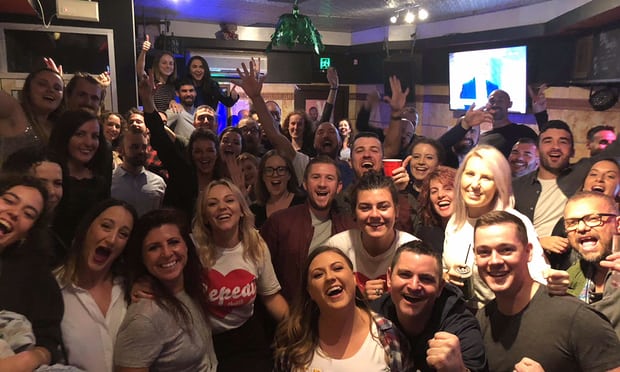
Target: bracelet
<point>333,88</point>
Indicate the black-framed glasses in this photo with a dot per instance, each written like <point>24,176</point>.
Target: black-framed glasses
<point>280,171</point>
<point>590,220</point>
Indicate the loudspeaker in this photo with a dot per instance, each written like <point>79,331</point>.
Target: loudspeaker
<point>403,69</point>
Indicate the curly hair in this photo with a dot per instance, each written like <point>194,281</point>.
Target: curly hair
<point>445,175</point>
<point>307,146</point>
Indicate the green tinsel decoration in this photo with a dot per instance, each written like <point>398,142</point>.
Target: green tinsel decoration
<point>294,29</point>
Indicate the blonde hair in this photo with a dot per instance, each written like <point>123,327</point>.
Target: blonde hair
<point>500,169</point>
<point>253,245</point>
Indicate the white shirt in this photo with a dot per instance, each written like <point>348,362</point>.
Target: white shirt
<point>89,336</point>
<point>144,191</point>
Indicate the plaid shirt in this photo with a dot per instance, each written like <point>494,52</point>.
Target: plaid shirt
<point>391,339</point>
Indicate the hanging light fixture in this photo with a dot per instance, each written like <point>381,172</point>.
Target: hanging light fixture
<point>409,17</point>
<point>409,14</point>
<point>295,28</point>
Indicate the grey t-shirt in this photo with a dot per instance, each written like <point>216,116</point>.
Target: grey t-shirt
<point>150,337</point>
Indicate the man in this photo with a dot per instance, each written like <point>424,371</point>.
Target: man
<point>252,137</point>
<point>313,113</point>
<point>327,141</point>
<point>135,118</point>
<point>591,221</point>
<point>182,123</point>
<point>525,326</point>
<point>457,142</point>
<point>292,232</point>
<point>84,92</point>
<point>542,194</point>
<point>599,137</point>
<point>523,158</point>
<point>504,133</point>
<point>204,116</point>
<point>442,333</point>
<point>131,182</point>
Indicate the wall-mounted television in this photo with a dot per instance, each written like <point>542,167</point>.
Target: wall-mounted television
<point>476,73</point>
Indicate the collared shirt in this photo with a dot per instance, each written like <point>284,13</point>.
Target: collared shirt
<point>88,335</point>
<point>145,191</point>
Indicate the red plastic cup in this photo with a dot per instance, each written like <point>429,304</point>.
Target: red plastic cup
<point>389,165</point>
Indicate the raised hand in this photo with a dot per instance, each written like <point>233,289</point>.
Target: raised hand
<point>103,79</point>
<point>444,352</point>
<point>332,77</point>
<point>146,88</point>
<point>399,97</point>
<point>146,45</point>
<point>49,63</point>
<point>250,80</point>
<point>539,101</point>
<point>475,117</point>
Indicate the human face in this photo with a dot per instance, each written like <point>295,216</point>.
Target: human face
<point>478,187</point>
<point>276,183</point>
<point>555,148</point>
<point>366,155</point>
<point>85,95</point>
<point>407,131</point>
<point>604,177</point>
<point>205,117</point>
<point>502,259</point>
<point>164,254</point>
<point>84,143</point>
<point>137,120</point>
<point>441,198</point>
<point>20,207</point>
<point>250,172</point>
<point>592,243</point>
<point>274,110</point>
<point>187,95</point>
<point>414,285</point>
<point>375,212</point>
<point>166,66</point>
<point>204,154</point>
<point>197,70</point>
<point>322,185</point>
<point>313,113</point>
<point>296,126</point>
<point>468,142</point>
<point>326,141</point>
<point>523,159</point>
<point>600,141</point>
<point>134,149</point>
<point>222,210</point>
<point>50,174</point>
<point>112,128</point>
<point>424,159</point>
<point>230,144</point>
<point>498,105</point>
<point>106,239</point>
<point>251,133</point>
<point>344,128</point>
<point>46,91</point>
<point>331,283</point>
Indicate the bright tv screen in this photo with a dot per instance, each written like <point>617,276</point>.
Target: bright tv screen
<point>474,74</point>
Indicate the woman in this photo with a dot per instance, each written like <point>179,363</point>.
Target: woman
<point>37,162</point>
<point>603,177</point>
<point>483,184</point>
<point>237,268</point>
<point>168,332</point>
<point>298,129</point>
<point>249,167</point>
<point>426,155</point>
<point>30,120</point>
<point>331,327</point>
<point>346,133</point>
<point>208,91</point>
<point>372,244</point>
<point>231,143</point>
<point>436,206</point>
<point>164,71</point>
<point>91,283</point>
<point>78,143</point>
<point>113,125</point>
<point>276,188</point>
<point>27,286</point>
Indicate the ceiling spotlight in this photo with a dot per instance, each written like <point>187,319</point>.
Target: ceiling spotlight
<point>409,17</point>
<point>422,14</point>
<point>393,19</point>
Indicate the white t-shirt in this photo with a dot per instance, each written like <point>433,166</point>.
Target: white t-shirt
<point>549,207</point>
<point>88,336</point>
<point>369,358</point>
<point>365,266</point>
<point>232,284</point>
<point>458,248</point>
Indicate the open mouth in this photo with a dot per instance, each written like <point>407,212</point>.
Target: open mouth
<point>5,227</point>
<point>49,98</point>
<point>224,217</point>
<point>598,188</point>
<point>367,164</point>
<point>169,265</point>
<point>411,299</point>
<point>497,274</point>
<point>102,254</point>
<point>588,243</point>
<point>421,169</point>
<point>444,204</point>
<point>334,291</point>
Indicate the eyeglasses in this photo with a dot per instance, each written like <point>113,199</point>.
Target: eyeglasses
<point>280,171</point>
<point>590,220</point>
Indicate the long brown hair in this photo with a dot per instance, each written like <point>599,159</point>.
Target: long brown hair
<point>445,175</point>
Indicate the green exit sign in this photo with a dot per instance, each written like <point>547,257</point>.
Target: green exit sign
<point>324,63</point>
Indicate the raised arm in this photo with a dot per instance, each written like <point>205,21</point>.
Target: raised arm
<point>140,64</point>
<point>333,80</point>
<point>252,83</point>
<point>13,120</point>
<point>539,105</point>
<point>391,144</point>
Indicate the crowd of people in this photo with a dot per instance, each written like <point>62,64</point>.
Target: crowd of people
<point>153,241</point>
